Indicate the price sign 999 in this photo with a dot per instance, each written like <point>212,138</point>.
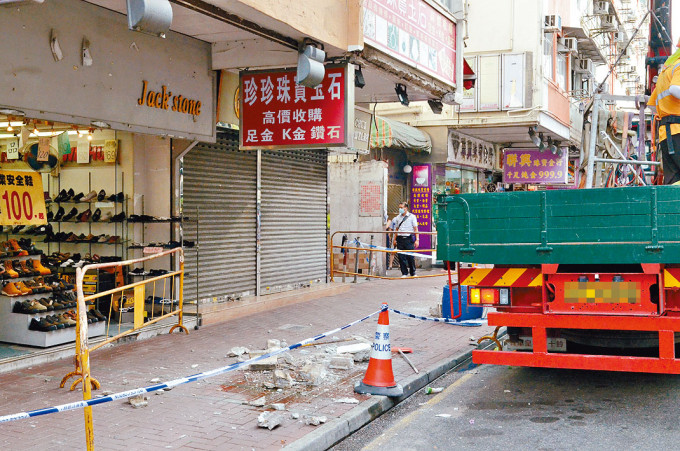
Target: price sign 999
<point>22,201</point>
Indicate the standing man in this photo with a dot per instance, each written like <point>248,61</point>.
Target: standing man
<point>406,225</point>
<point>666,100</point>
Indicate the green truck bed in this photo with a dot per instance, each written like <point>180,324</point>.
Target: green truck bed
<point>595,226</point>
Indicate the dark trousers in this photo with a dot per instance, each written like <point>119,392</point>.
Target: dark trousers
<point>407,263</point>
<point>671,163</point>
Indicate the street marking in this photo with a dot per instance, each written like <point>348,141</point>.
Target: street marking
<point>411,416</point>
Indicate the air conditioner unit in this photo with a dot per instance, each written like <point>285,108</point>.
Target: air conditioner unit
<point>601,7</point>
<point>569,45</point>
<point>584,66</point>
<point>608,22</point>
<point>552,24</point>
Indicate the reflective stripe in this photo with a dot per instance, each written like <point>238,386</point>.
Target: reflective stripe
<point>663,94</point>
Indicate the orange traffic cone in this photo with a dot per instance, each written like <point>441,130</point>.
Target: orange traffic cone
<point>379,378</point>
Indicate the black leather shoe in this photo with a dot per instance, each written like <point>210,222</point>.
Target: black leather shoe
<point>120,197</point>
<point>78,196</point>
<point>60,214</point>
<point>120,217</point>
<point>61,197</point>
<point>96,216</point>
<point>50,216</point>
<point>70,194</point>
<point>70,214</point>
<point>101,196</point>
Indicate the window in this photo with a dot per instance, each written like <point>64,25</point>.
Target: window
<point>562,71</point>
<point>548,55</point>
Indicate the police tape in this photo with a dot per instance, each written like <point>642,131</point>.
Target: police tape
<point>382,248</point>
<point>465,323</point>
<point>175,382</point>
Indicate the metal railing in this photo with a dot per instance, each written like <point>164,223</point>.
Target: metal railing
<point>358,247</point>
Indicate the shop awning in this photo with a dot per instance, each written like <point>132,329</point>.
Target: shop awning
<point>391,134</point>
<point>469,76</point>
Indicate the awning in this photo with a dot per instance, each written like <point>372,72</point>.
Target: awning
<point>469,76</point>
<point>391,134</point>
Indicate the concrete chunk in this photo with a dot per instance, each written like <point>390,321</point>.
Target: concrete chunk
<point>342,362</point>
<point>283,379</point>
<point>138,401</point>
<point>314,420</point>
<point>238,351</point>
<point>354,348</point>
<point>267,364</point>
<point>313,373</point>
<point>259,402</point>
<point>269,420</point>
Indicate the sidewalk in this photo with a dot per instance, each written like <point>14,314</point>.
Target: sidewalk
<point>210,414</point>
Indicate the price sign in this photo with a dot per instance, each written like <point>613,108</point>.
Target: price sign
<point>110,150</point>
<point>22,201</point>
<point>152,250</point>
<point>83,151</point>
<point>43,149</point>
<point>13,149</point>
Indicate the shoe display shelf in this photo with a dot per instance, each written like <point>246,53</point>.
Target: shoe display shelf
<point>89,227</point>
<point>14,326</point>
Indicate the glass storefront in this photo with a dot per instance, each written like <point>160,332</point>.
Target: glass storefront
<point>453,179</point>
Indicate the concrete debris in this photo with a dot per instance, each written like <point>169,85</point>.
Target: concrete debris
<point>284,344</point>
<point>472,338</point>
<point>314,420</point>
<point>294,415</point>
<point>195,365</point>
<point>313,373</point>
<point>285,358</point>
<point>443,415</point>
<point>259,402</point>
<point>346,401</point>
<point>269,420</point>
<point>107,393</point>
<point>238,351</point>
<point>124,382</point>
<point>267,364</point>
<point>436,311</point>
<point>160,392</point>
<point>342,362</point>
<point>283,379</point>
<point>278,406</point>
<point>138,401</point>
<point>363,356</point>
<point>331,349</point>
<point>273,343</point>
<point>269,385</point>
<point>354,348</point>
<point>155,380</point>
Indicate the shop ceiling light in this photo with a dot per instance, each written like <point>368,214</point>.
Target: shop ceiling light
<point>436,106</point>
<point>541,144</point>
<point>407,168</point>
<point>150,16</point>
<point>401,94</point>
<point>534,139</point>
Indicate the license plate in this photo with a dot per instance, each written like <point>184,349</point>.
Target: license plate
<point>527,344</point>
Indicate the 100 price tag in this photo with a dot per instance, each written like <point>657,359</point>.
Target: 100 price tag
<point>18,206</point>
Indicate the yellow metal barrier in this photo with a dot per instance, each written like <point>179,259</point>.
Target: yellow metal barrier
<point>82,360</point>
<point>345,252</point>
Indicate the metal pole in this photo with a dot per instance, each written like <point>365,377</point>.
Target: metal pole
<point>356,264</point>
<point>258,224</point>
<point>370,259</point>
<point>593,140</point>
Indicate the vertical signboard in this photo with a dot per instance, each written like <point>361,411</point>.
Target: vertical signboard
<point>421,202</point>
<point>415,33</point>
<point>533,167</point>
<point>277,113</point>
<point>22,200</point>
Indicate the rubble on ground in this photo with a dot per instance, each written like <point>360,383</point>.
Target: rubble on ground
<point>138,401</point>
<point>269,420</point>
<point>313,420</point>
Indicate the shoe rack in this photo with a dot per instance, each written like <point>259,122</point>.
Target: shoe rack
<point>118,228</point>
<point>14,326</point>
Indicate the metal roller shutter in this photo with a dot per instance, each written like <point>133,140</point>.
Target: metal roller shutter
<point>293,245</point>
<point>221,181</point>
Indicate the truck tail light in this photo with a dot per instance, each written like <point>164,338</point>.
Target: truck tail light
<point>489,296</point>
<point>504,296</point>
<point>475,296</point>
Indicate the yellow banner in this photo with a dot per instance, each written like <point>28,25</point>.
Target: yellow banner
<point>22,201</point>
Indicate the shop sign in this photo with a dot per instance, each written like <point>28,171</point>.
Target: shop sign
<point>533,167</point>
<point>277,113</point>
<point>22,200</point>
<point>468,151</point>
<point>363,121</point>
<point>421,202</point>
<point>415,33</point>
<point>136,82</point>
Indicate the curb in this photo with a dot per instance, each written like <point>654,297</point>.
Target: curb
<point>336,430</point>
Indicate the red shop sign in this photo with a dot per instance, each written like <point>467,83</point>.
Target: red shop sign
<point>276,113</point>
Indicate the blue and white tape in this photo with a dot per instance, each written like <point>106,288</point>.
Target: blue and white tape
<point>358,243</point>
<point>176,382</point>
<point>467,323</point>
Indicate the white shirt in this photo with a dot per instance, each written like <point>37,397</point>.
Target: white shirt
<point>408,226</point>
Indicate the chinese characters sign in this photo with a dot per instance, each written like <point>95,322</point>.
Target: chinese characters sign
<point>22,200</point>
<point>415,33</point>
<point>531,166</point>
<point>421,202</point>
<point>371,200</point>
<point>278,113</point>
